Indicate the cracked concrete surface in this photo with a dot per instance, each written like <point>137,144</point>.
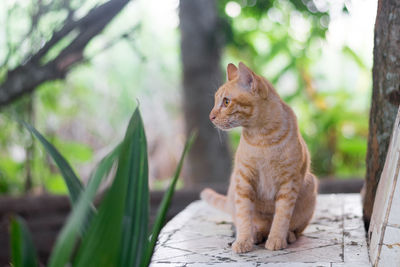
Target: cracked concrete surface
<point>201,236</point>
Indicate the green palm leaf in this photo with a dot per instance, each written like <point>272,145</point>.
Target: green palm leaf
<point>23,253</point>
<point>67,238</point>
<point>101,245</point>
<point>74,185</point>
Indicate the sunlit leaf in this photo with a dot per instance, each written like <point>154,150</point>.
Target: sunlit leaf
<point>353,55</point>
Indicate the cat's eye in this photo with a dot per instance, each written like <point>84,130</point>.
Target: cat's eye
<point>226,102</point>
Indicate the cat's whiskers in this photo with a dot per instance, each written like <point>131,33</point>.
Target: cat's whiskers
<point>219,136</point>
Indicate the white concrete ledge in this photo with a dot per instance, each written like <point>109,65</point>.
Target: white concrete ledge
<point>201,236</point>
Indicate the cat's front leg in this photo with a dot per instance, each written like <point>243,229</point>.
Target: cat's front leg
<point>284,205</point>
<point>244,208</point>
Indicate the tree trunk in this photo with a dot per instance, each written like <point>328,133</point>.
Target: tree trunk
<point>385,96</point>
<point>209,159</point>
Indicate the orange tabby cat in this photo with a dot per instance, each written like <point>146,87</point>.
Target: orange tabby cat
<point>272,192</point>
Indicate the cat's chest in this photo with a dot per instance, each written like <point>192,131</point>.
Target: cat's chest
<point>266,180</point>
<point>265,161</point>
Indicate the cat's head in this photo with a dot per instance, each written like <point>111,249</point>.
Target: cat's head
<point>237,101</point>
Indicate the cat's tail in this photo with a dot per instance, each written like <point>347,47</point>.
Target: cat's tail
<point>214,199</point>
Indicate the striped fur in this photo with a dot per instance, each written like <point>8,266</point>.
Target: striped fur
<point>272,192</point>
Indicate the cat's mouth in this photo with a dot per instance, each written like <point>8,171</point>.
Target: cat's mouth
<point>225,126</point>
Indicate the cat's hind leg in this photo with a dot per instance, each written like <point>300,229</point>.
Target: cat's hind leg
<point>305,206</point>
<point>291,237</point>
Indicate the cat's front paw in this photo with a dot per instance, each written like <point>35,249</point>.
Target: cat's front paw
<point>242,246</point>
<point>275,243</point>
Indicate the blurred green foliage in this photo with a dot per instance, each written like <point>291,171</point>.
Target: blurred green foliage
<point>284,40</point>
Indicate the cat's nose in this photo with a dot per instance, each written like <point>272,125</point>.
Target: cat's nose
<point>212,116</point>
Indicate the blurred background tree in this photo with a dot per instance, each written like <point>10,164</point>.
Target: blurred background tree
<point>201,49</point>
<point>317,54</point>
<point>43,40</point>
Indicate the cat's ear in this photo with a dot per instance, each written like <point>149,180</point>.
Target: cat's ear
<point>231,72</point>
<point>246,77</point>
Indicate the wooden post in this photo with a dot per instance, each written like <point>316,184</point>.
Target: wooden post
<point>384,230</point>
